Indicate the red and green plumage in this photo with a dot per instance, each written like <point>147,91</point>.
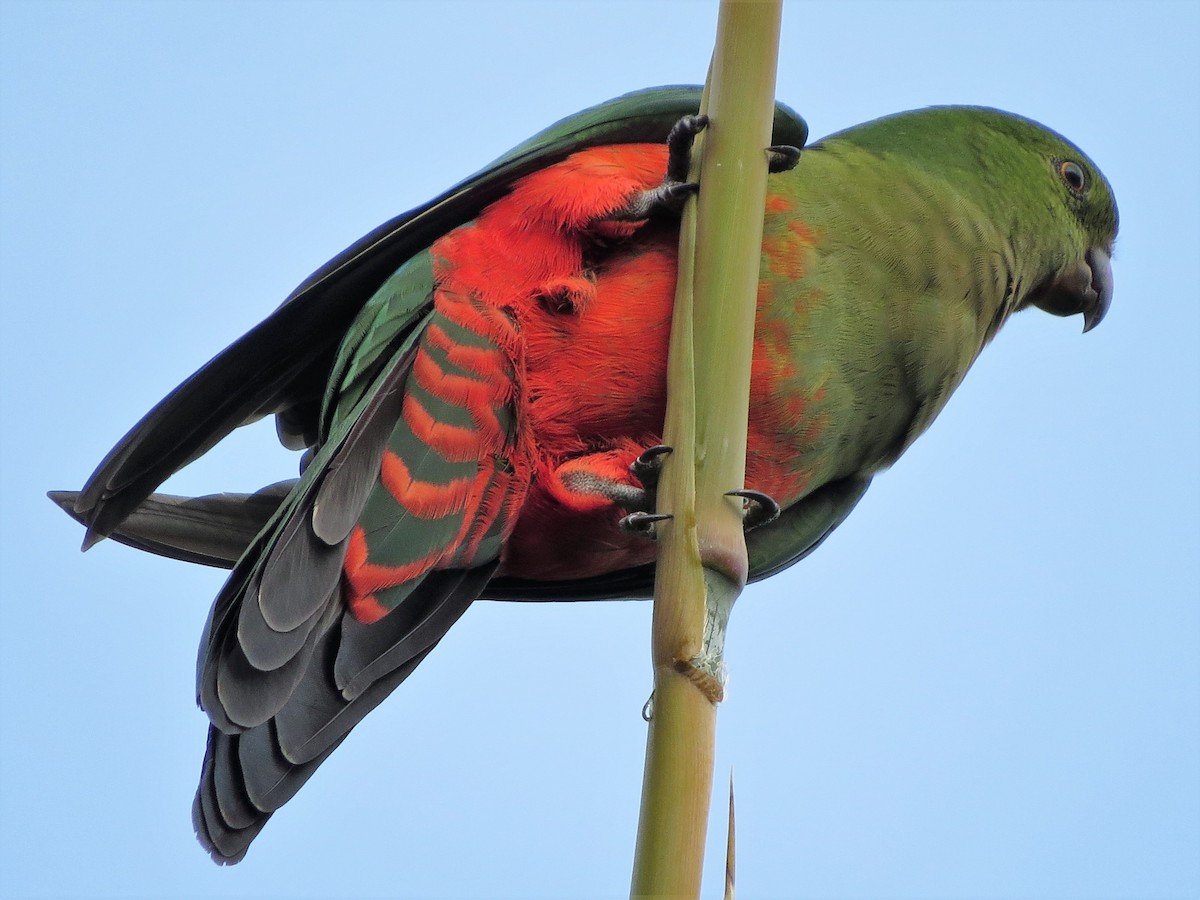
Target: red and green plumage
<point>474,380</point>
<point>455,465</point>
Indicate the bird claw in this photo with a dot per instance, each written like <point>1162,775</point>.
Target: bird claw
<point>679,146</point>
<point>642,523</point>
<point>759,508</point>
<point>673,192</point>
<point>667,197</point>
<point>782,158</point>
<point>648,467</point>
<point>675,189</point>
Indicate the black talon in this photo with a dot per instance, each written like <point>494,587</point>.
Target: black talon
<point>782,157</point>
<point>760,508</point>
<point>647,467</point>
<point>642,523</point>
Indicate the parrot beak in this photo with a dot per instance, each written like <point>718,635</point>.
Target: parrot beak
<point>1099,292</point>
<point>1083,287</point>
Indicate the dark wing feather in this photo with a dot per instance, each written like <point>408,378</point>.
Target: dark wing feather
<point>267,648</point>
<point>228,787</point>
<point>247,776</point>
<point>368,652</point>
<point>247,696</point>
<point>286,577</point>
<point>354,471</point>
<point>298,575</point>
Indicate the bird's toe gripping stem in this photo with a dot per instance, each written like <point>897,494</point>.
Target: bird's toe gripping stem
<point>642,523</point>
<point>670,195</point>
<point>782,158</point>
<point>646,469</point>
<point>758,508</point>
<point>674,190</point>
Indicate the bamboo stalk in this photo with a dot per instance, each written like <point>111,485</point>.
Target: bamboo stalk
<point>702,554</point>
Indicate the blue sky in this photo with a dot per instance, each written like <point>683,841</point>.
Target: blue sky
<point>987,683</point>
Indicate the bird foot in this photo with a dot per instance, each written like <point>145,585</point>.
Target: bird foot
<point>782,158</point>
<point>673,192</point>
<point>679,146</point>
<point>758,508</point>
<point>647,469</point>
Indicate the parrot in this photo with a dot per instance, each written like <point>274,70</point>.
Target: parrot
<point>478,387</point>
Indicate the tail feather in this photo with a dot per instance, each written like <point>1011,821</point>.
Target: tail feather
<point>213,530</point>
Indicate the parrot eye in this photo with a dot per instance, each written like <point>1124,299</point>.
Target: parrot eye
<point>1072,175</point>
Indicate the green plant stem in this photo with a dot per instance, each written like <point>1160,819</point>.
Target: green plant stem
<point>702,555</point>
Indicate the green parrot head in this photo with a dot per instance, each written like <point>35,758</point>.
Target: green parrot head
<point>1067,192</point>
<point>1060,207</point>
